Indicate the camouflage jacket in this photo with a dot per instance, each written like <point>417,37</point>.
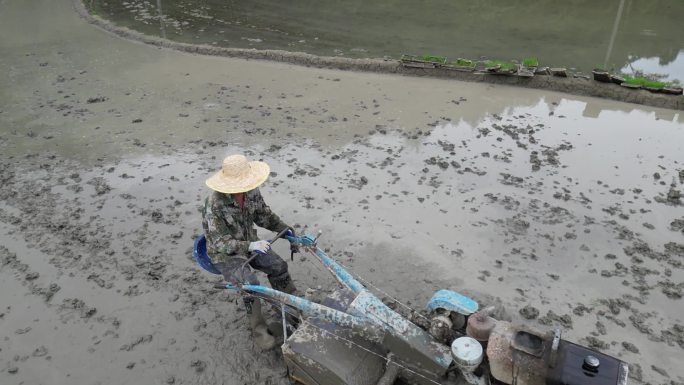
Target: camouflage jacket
<point>229,229</point>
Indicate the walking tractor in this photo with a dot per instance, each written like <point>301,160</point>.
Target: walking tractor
<point>350,337</point>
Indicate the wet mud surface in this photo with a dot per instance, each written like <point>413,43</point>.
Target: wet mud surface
<point>563,211</point>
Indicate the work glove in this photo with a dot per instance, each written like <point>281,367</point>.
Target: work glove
<point>260,246</point>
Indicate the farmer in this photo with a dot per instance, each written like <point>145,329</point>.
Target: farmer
<point>228,217</point>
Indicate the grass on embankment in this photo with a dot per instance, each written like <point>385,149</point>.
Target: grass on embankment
<point>643,82</point>
<point>503,65</point>
<point>530,62</point>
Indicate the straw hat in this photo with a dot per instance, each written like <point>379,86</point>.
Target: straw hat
<point>237,175</point>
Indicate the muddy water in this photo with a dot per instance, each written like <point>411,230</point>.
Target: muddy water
<point>620,34</point>
<point>531,200</point>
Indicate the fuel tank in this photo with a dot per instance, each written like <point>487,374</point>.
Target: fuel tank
<point>579,365</point>
<point>524,355</point>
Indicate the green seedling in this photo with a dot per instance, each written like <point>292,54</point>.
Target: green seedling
<point>431,58</point>
<point>503,65</point>
<point>530,62</point>
<point>643,82</point>
<point>463,63</point>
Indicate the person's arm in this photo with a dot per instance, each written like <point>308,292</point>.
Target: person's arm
<point>219,232</point>
<point>264,217</point>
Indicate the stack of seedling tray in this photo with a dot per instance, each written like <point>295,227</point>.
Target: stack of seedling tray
<point>529,67</point>
<point>637,83</point>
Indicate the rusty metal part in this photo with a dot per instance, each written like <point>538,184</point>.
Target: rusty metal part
<point>440,327</point>
<point>480,326</point>
<point>512,359</point>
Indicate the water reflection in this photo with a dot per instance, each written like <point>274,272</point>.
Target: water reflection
<point>578,34</point>
<point>594,109</point>
<point>618,16</point>
<point>671,70</point>
<point>160,14</point>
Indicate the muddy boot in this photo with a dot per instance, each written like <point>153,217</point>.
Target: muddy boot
<point>283,283</point>
<point>263,339</point>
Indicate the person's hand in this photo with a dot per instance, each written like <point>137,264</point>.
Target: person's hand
<point>260,246</point>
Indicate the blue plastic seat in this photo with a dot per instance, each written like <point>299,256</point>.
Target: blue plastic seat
<point>199,253</point>
<point>452,301</point>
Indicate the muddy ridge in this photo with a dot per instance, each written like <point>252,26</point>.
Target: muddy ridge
<point>570,85</point>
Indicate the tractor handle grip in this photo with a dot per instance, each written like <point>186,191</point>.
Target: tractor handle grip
<point>279,235</point>
<point>272,241</point>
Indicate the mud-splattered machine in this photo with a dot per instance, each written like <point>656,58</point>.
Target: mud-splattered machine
<point>351,337</point>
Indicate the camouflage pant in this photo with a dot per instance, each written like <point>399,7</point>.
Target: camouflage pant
<point>236,271</point>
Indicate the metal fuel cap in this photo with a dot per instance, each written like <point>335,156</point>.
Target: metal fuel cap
<point>591,363</point>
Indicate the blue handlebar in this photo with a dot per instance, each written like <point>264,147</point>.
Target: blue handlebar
<point>305,240</point>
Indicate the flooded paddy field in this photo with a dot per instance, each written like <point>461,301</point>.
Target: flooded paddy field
<point>564,211</point>
<point>622,35</point>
